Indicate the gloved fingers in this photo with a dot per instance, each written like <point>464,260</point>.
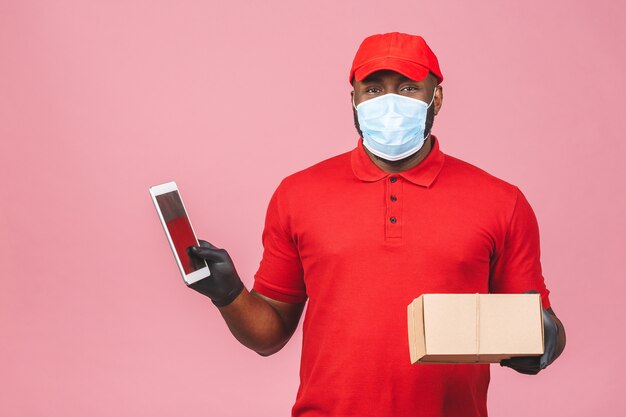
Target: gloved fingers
<point>521,370</point>
<point>208,254</point>
<point>550,336</point>
<point>206,244</point>
<point>528,365</point>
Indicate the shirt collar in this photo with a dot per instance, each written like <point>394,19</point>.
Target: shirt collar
<point>423,174</point>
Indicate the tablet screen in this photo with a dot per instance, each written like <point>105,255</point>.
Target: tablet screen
<point>180,230</point>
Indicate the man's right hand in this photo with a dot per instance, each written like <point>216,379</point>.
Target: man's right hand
<point>224,284</point>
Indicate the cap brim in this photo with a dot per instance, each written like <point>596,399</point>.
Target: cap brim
<point>409,69</point>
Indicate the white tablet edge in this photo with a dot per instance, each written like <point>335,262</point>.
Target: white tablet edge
<point>167,188</point>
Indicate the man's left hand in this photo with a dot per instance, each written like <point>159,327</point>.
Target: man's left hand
<point>531,365</point>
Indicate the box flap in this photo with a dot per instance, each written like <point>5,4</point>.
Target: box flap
<point>450,323</point>
<point>509,323</point>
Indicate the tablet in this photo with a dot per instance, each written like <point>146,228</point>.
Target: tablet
<point>179,231</point>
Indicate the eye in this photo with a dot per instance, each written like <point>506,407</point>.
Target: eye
<point>410,88</point>
<point>372,90</point>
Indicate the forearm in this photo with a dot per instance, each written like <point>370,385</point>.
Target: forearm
<point>255,324</point>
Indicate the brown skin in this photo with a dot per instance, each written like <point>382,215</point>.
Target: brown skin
<point>266,325</point>
<point>261,323</point>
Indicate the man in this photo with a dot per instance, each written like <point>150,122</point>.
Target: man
<point>362,234</point>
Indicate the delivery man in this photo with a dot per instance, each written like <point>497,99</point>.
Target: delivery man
<point>362,234</point>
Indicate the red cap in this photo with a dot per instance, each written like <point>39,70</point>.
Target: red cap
<point>407,54</point>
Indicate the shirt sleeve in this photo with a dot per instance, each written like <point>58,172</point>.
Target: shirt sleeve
<point>280,275</point>
<point>516,265</point>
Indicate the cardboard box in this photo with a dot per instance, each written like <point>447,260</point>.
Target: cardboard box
<point>474,328</point>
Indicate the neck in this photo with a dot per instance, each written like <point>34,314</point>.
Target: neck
<point>393,167</point>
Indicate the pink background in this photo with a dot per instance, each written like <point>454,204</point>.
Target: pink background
<point>100,100</point>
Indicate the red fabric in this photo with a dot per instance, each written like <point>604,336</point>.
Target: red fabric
<point>328,237</point>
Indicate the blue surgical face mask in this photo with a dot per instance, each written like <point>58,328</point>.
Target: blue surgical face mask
<point>393,125</point>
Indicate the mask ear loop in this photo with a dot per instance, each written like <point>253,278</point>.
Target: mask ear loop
<point>432,100</point>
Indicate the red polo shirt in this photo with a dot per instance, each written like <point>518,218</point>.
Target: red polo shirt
<point>361,244</point>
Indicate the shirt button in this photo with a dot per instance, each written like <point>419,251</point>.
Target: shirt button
<point>393,220</point>
<point>393,179</point>
<point>394,198</point>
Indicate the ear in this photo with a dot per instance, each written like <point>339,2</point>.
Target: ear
<point>438,98</point>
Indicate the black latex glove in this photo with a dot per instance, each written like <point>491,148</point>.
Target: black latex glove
<point>224,285</point>
<point>531,365</point>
